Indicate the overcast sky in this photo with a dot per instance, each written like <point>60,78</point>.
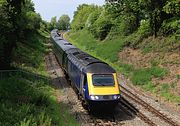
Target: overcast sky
<point>51,8</point>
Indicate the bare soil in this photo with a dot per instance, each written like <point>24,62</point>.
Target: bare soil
<point>169,61</point>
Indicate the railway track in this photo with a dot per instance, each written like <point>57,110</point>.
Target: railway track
<point>129,108</point>
<point>125,92</point>
<point>86,117</point>
<point>109,120</point>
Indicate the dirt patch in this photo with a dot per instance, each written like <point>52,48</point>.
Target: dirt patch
<point>169,61</point>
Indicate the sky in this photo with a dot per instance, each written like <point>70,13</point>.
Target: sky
<point>51,8</point>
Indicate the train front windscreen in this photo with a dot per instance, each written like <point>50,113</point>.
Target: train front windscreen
<point>103,79</point>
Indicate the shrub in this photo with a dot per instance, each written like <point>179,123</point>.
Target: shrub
<point>102,27</point>
<point>170,26</point>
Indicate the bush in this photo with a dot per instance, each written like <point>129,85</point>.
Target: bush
<point>170,26</point>
<point>102,27</point>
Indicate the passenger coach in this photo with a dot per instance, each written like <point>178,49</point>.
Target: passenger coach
<point>94,80</point>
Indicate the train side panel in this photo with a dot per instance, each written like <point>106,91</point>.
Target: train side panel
<point>58,52</point>
<point>74,74</point>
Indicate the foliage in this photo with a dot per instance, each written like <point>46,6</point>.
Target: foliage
<point>30,103</point>
<point>170,26</point>
<point>53,24</point>
<point>144,76</point>
<point>64,22</point>
<point>81,16</point>
<point>141,77</point>
<point>29,99</point>
<point>158,72</point>
<point>102,26</point>
<point>17,19</point>
<point>107,51</point>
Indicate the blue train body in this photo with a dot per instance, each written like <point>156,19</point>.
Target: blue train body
<point>94,80</point>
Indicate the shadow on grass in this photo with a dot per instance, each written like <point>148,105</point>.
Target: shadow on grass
<point>27,97</point>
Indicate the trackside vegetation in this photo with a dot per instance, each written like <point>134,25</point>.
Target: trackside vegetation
<point>29,99</point>
<point>149,26</point>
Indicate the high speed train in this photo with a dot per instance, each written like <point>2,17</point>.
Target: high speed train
<point>95,81</point>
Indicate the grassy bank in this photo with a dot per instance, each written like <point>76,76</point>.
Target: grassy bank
<point>28,101</point>
<point>108,51</point>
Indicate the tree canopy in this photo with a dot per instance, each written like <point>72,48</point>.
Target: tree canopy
<point>64,22</point>
<point>17,19</point>
<point>128,16</point>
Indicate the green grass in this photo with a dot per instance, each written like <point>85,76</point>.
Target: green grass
<point>158,72</point>
<point>108,50</point>
<point>178,76</point>
<point>125,69</point>
<point>29,101</point>
<point>165,92</point>
<point>141,77</point>
<point>144,76</point>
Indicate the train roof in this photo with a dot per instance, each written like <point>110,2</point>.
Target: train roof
<point>55,35</point>
<point>100,68</point>
<point>65,46</point>
<point>89,64</point>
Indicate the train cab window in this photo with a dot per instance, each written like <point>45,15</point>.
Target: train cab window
<point>103,80</point>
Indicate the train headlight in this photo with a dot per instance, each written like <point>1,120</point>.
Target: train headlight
<point>116,97</point>
<point>94,97</point>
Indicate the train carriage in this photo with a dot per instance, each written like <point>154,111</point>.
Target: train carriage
<point>94,80</point>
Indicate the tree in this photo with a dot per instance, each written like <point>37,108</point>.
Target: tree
<point>9,16</point>
<point>64,22</point>
<point>81,15</point>
<point>17,18</point>
<point>53,23</point>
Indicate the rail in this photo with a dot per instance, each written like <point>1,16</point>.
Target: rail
<point>138,100</point>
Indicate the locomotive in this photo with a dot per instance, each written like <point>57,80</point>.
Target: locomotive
<point>95,81</point>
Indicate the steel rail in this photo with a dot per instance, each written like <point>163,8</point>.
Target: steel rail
<point>147,106</point>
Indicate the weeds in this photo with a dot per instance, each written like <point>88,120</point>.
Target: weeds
<point>141,77</point>
<point>29,101</point>
<point>108,50</point>
<point>158,72</point>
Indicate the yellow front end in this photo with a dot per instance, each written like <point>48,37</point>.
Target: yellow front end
<point>102,90</point>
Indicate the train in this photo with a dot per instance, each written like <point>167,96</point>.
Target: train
<point>94,81</point>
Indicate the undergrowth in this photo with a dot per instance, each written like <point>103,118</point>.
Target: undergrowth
<point>108,49</point>
<point>30,101</point>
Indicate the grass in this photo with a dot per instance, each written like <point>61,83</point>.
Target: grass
<point>141,77</point>
<point>108,50</point>
<point>30,103</point>
<point>178,76</point>
<point>165,92</point>
<point>25,101</point>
